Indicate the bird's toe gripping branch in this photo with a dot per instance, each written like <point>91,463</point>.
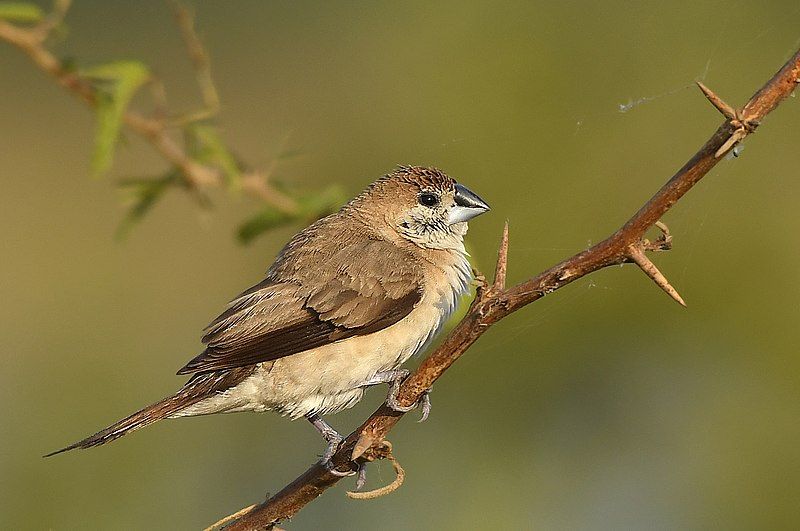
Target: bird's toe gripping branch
<point>636,254</point>
<point>395,378</point>
<point>334,439</point>
<point>740,124</point>
<point>424,401</point>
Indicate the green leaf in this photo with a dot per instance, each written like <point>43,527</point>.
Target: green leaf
<point>263,221</point>
<point>143,194</point>
<point>20,12</point>
<point>322,202</point>
<point>207,147</point>
<point>116,84</point>
<point>311,206</point>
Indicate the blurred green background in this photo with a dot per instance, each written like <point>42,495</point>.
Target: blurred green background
<point>603,406</point>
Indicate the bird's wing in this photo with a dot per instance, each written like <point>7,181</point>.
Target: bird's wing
<point>313,297</point>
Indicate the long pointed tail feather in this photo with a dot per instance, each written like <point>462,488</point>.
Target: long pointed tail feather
<point>199,387</point>
<point>140,419</point>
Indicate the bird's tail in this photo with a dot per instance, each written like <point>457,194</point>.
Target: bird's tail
<point>199,387</point>
<point>144,417</point>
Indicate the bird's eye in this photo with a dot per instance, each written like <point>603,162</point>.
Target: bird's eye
<point>428,199</point>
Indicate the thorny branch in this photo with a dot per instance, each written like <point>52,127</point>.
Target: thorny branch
<point>153,129</point>
<point>494,301</point>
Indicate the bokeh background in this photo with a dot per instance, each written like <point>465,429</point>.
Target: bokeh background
<point>603,406</point>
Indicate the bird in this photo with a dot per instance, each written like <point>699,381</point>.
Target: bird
<point>346,302</point>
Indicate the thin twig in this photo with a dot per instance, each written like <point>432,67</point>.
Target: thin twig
<point>491,306</point>
<point>400,477</point>
<point>184,17</point>
<point>52,20</point>
<point>154,130</point>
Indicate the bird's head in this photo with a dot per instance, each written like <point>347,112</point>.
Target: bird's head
<point>422,205</point>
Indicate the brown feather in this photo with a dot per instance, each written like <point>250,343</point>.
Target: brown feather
<point>329,283</point>
<point>201,386</point>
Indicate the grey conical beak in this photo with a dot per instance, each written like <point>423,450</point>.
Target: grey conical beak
<point>468,205</point>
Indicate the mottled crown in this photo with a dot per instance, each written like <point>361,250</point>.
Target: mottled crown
<point>423,177</point>
<point>405,181</point>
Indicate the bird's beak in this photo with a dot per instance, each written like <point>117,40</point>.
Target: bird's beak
<point>468,205</point>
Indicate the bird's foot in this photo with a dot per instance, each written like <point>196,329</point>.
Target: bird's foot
<point>394,378</point>
<point>334,439</point>
<point>345,473</point>
<point>424,402</point>
<point>361,480</point>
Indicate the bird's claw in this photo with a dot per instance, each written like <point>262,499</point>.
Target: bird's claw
<point>424,401</point>
<point>395,378</point>
<point>339,473</point>
<point>328,454</point>
<point>361,480</point>
<point>333,445</point>
<point>334,439</point>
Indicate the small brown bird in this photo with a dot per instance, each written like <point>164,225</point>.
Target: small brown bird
<point>347,301</point>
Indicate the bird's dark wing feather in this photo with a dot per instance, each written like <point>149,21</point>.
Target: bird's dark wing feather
<point>313,296</point>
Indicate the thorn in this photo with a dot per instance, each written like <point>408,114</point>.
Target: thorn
<point>502,261</point>
<point>735,137</point>
<point>649,268</point>
<point>717,102</point>
<point>742,126</point>
<point>363,444</point>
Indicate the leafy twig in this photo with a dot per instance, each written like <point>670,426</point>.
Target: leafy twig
<point>109,89</point>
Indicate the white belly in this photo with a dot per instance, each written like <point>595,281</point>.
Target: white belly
<point>330,378</point>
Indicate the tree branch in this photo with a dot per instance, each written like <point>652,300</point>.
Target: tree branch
<point>494,302</point>
<point>155,130</point>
